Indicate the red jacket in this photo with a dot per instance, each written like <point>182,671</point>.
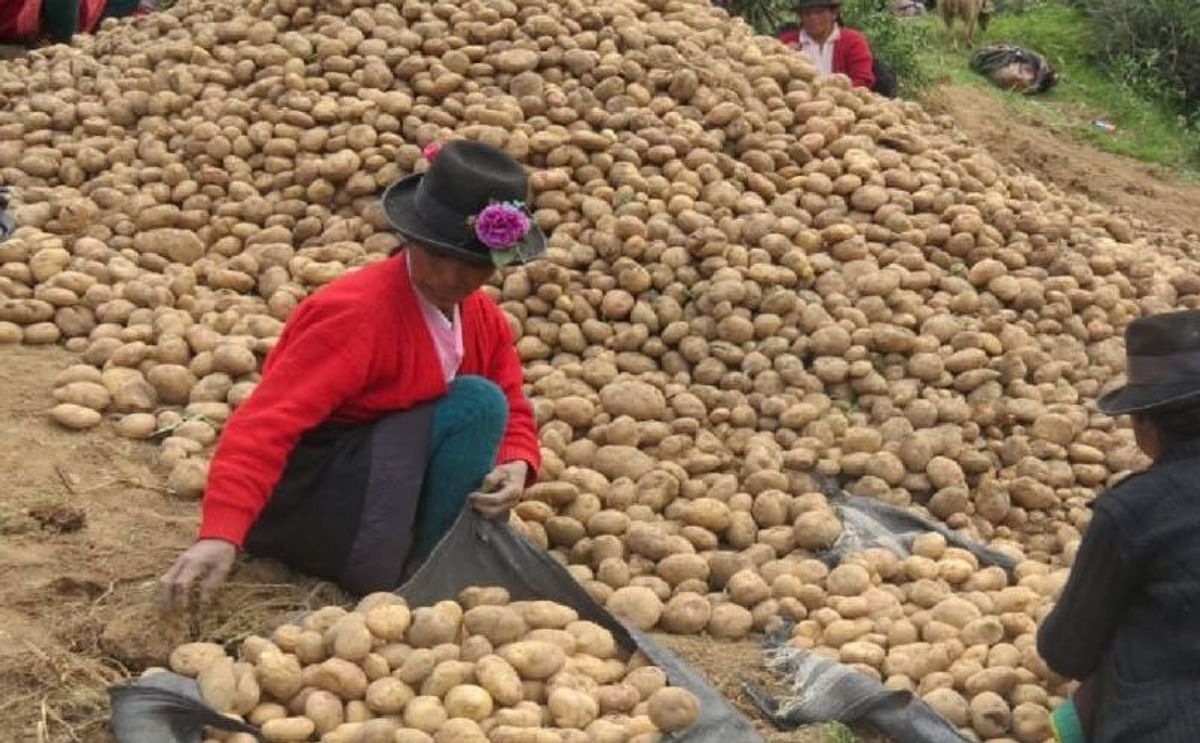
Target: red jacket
<point>356,349</point>
<point>851,54</point>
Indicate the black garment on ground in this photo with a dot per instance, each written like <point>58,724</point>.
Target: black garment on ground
<point>1131,608</point>
<point>886,82</point>
<point>345,506</point>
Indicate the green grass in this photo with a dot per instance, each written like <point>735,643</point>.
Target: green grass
<point>1147,130</point>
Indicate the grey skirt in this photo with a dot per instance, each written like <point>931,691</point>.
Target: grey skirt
<point>346,503</point>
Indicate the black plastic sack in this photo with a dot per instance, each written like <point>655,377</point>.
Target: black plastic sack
<point>475,552</point>
<point>868,523</point>
<point>1013,68</point>
<point>820,689</point>
<point>166,707</point>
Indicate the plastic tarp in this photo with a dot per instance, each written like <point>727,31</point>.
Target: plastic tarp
<point>868,523</point>
<point>165,708</point>
<point>1014,68</point>
<point>821,689</point>
<point>8,225</point>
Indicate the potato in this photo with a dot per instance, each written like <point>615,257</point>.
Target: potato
<point>388,696</point>
<point>342,678</point>
<point>218,685</point>
<point>500,679</point>
<point>474,596</point>
<point>570,708</point>
<point>191,658</point>
<point>544,614</point>
<point>411,735</point>
<point>458,729</point>
<point>475,647</point>
<point>499,624</point>
<point>75,417</point>
<point>817,529</point>
<point>1031,723</point>
<point>950,705</point>
<point>730,621</point>
<point>620,698</point>
<point>673,709</point>
<point>325,710</point>
<point>288,729</point>
<point>347,732</point>
<point>469,701</point>
<point>533,660</point>
<point>990,715</point>
<point>561,638</point>
<point>379,730</point>
<point>686,613</point>
<point>434,625</point>
<point>390,622</point>
<point>446,675</point>
<point>268,711</point>
<point>646,680</point>
<point>848,580</point>
<point>639,605</point>
<point>425,713</point>
<point>593,639</point>
<point>349,638</point>
<point>417,666</point>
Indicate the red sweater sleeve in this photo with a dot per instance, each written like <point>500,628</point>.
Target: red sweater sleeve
<point>322,360</point>
<point>520,438</point>
<point>854,58</point>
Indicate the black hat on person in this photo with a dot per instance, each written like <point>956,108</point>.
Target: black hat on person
<point>1162,365</point>
<point>439,208</point>
<point>806,4</point>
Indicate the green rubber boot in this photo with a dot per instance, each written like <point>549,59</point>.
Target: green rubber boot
<point>1066,725</point>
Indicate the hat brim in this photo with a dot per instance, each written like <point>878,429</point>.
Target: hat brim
<point>1130,399</point>
<point>399,207</point>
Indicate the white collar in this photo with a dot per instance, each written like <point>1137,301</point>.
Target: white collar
<point>834,36</point>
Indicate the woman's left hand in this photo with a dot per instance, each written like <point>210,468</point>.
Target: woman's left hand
<point>501,489</point>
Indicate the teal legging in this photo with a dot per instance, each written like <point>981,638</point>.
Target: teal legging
<point>468,424</point>
<point>60,19</point>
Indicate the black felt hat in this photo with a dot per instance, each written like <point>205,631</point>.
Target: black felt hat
<point>1162,365</point>
<point>437,208</point>
<point>806,4</point>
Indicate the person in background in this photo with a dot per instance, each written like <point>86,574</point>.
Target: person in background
<point>833,48</point>
<point>392,399</point>
<point>1126,621</point>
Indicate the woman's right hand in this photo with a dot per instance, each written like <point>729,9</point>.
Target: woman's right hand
<point>209,561</point>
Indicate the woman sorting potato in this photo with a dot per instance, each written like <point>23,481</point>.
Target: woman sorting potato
<point>1128,620</point>
<point>392,394</point>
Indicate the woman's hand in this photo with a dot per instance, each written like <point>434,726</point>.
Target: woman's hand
<point>501,489</point>
<point>208,560</point>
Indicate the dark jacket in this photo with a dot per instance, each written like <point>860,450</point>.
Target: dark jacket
<point>1130,611</point>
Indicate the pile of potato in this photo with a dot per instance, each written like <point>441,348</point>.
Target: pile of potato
<point>478,670</point>
<point>756,279</point>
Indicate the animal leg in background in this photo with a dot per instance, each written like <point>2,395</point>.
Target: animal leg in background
<point>949,9</point>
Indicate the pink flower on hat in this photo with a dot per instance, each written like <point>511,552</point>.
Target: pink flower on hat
<point>502,226</point>
<point>431,151</point>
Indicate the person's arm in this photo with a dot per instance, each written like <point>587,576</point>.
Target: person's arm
<point>860,64</point>
<point>1078,631</point>
<point>325,363</point>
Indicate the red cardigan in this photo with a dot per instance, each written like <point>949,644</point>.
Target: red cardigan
<point>356,349</point>
<point>851,54</point>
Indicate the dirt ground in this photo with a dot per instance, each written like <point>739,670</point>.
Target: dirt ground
<point>1129,186</point>
<point>86,528</point>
